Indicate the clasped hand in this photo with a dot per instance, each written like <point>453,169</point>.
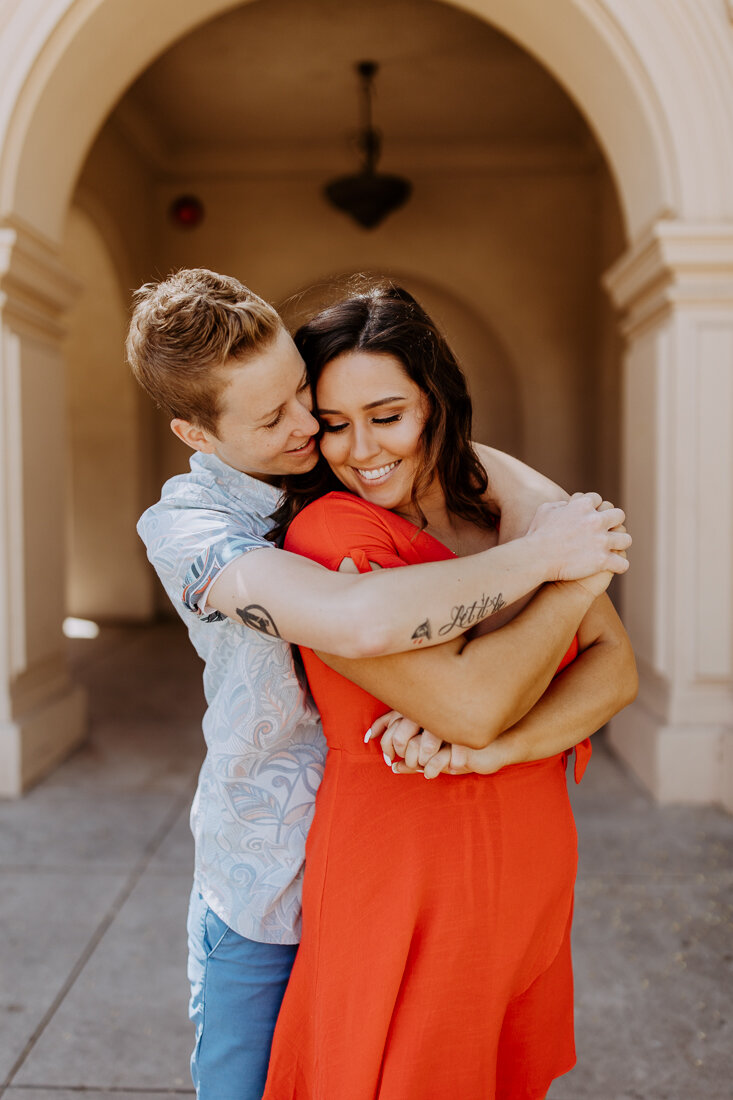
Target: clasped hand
<point>408,749</point>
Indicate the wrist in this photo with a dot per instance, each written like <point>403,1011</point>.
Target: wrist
<point>533,558</point>
<point>502,752</point>
<point>511,749</point>
<point>574,590</point>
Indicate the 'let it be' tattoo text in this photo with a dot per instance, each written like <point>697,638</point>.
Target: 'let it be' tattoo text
<point>466,615</point>
<point>462,616</point>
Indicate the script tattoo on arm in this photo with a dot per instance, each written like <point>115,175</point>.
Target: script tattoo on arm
<point>464,615</point>
<point>258,618</point>
<point>422,632</point>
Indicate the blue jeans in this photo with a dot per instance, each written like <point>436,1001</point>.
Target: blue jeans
<point>236,989</point>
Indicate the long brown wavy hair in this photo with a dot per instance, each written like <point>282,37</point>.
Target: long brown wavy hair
<point>386,319</point>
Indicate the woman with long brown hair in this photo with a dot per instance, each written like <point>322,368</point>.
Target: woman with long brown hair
<point>435,957</point>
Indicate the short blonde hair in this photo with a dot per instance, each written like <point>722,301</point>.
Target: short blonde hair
<point>184,329</point>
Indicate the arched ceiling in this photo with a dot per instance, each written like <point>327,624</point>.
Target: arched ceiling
<point>278,74</point>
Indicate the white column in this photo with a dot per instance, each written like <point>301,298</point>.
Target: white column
<point>675,288</point>
<point>42,714</point>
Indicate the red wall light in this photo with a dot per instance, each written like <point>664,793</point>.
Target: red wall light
<point>186,211</point>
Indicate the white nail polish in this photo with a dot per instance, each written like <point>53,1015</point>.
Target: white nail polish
<point>367,735</point>
<point>387,760</point>
<point>394,768</point>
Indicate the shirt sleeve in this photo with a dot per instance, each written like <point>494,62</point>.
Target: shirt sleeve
<point>340,526</point>
<point>189,546</point>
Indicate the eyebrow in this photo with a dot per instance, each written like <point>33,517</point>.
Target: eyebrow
<point>267,417</point>
<point>371,405</point>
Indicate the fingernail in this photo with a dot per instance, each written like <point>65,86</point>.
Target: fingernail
<point>387,760</point>
<point>396,768</point>
<point>367,735</point>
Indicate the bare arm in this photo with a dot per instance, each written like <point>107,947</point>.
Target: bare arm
<point>517,489</point>
<point>390,611</point>
<point>468,692</point>
<point>598,684</point>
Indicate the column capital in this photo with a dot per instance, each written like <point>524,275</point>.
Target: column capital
<point>35,287</point>
<point>672,265</point>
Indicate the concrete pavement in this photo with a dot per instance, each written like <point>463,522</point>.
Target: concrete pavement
<point>96,865</point>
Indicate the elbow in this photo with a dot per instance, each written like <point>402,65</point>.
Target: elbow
<point>369,636</point>
<point>476,730</point>
<point>623,680</point>
<point>627,676</point>
<point>367,643</point>
<point>359,630</point>
<point>479,739</point>
<point>630,679</point>
<point>491,708</point>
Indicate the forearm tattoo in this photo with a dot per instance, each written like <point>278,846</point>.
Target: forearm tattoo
<point>258,618</point>
<point>422,633</point>
<point>464,615</point>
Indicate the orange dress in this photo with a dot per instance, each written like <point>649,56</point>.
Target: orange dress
<point>435,959</point>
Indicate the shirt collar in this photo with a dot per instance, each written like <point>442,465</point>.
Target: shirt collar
<point>260,495</point>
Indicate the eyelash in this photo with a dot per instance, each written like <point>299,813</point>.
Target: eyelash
<point>278,418</point>
<point>331,428</point>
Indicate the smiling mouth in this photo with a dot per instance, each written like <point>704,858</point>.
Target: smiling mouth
<point>378,473</point>
<point>303,446</point>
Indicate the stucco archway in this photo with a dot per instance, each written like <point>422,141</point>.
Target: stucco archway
<point>656,87</point>
<point>47,122</point>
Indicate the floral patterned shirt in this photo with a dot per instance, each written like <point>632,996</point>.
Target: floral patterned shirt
<point>265,747</point>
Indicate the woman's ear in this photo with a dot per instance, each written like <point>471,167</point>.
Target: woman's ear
<point>198,439</point>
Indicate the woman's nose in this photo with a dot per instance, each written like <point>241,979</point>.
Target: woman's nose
<point>363,445</point>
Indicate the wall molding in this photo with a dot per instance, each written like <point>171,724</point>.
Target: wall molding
<point>673,264</point>
<point>35,287</point>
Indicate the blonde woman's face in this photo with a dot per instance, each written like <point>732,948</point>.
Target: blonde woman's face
<point>266,427</point>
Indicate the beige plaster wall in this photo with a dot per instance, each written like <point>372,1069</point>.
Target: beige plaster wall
<point>107,576</point>
<point>519,255</point>
<point>115,188</point>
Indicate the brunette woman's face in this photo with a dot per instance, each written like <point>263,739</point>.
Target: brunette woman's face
<point>372,415</point>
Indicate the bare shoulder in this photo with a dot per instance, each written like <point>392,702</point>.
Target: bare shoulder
<point>508,477</point>
<point>517,489</point>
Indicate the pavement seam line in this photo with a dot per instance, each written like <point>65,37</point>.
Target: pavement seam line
<point>135,875</point>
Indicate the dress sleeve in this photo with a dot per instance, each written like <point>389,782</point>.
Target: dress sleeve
<point>340,526</point>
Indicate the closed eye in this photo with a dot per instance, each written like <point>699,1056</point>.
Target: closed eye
<point>274,423</point>
<point>332,428</point>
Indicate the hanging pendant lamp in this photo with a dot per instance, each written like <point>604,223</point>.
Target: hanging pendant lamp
<point>369,196</point>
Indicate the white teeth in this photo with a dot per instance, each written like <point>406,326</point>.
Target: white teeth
<point>372,475</point>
